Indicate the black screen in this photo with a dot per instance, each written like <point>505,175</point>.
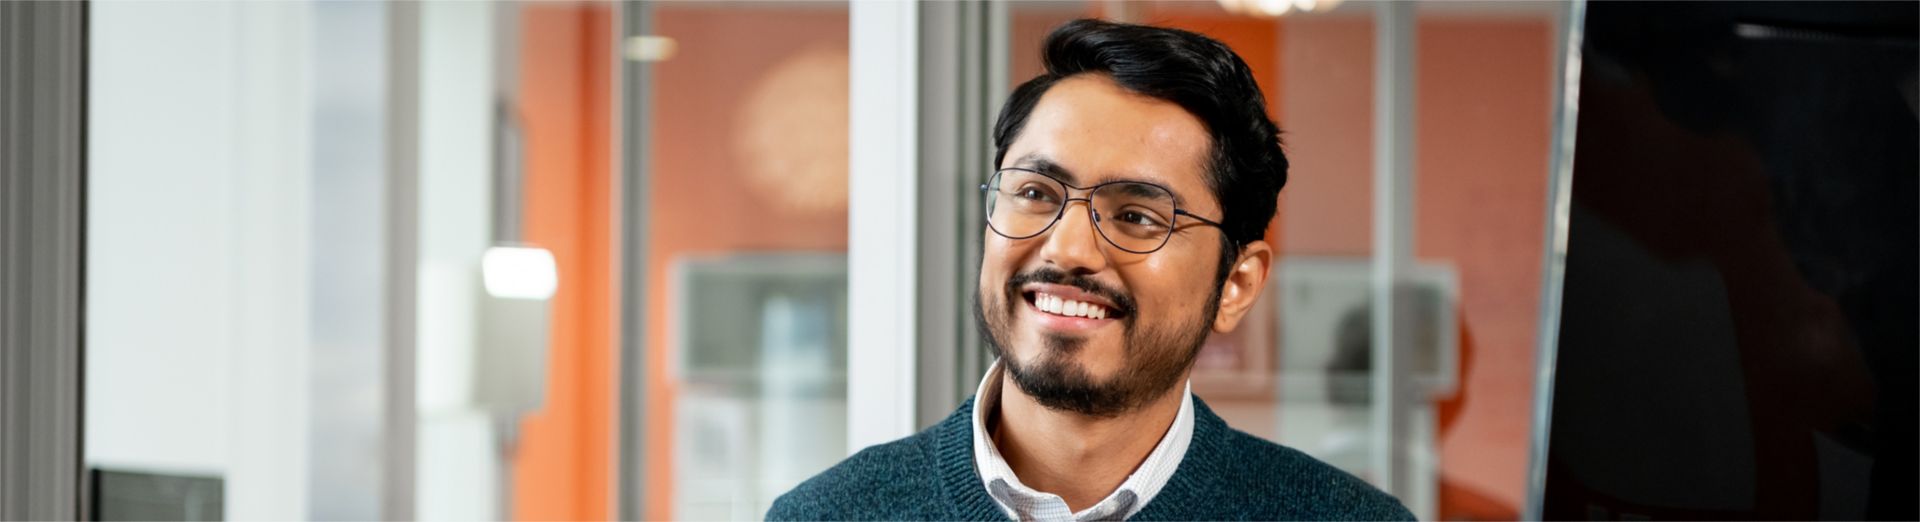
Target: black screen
<point>1738,326</point>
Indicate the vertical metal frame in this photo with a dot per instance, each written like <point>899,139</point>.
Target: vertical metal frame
<point>402,258</point>
<point>954,121</point>
<point>940,165</point>
<point>1393,232</point>
<point>43,171</point>
<point>635,109</point>
<point>1559,205</point>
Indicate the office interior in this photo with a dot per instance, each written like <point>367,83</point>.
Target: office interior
<point>645,260</point>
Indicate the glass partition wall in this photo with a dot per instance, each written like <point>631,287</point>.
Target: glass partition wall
<point>1471,86</point>
<point>738,139</point>
<point>1474,86</point>
<point>591,260</point>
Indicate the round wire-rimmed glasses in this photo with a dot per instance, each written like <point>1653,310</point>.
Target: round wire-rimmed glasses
<point>1132,216</point>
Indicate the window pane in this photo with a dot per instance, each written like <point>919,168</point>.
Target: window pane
<point>746,266</point>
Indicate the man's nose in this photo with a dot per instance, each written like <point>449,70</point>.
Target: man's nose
<point>1073,245</point>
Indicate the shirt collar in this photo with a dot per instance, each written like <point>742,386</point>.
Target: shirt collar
<point>1023,503</point>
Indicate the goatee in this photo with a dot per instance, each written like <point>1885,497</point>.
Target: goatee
<point>1153,358</point>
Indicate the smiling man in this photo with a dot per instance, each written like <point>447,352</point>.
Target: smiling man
<point>1135,181</point>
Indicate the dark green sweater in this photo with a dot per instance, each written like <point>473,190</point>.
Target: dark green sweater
<point>1226,475</point>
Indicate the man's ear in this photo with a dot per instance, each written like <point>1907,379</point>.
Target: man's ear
<point>1242,287</point>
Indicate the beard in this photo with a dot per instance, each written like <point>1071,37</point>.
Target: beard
<point>1153,358</point>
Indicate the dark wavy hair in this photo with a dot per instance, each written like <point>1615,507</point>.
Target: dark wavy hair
<point>1247,168</point>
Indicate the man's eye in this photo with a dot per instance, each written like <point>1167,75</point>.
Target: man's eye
<point>1034,194</point>
<point>1133,217</point>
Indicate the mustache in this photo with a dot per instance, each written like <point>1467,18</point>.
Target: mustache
<point>1123,302</point>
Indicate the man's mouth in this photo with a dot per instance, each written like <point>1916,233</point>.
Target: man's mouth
<point>1061,306</point>
<point>1076,306</point>
<point>1070,303</point>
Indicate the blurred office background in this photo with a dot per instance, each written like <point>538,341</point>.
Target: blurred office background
<point>664,260</point>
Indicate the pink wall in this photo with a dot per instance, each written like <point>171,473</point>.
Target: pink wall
<point>704,200</point>
<point>1484,127</point>
<point>1326,91</point>
<point>1480,164</point>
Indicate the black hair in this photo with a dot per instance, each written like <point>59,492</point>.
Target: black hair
<point>1246,169</point>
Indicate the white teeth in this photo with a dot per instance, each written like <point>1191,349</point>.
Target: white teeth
<point>1058,306</point>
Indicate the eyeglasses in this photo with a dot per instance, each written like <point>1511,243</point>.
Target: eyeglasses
<point>1133,216</point>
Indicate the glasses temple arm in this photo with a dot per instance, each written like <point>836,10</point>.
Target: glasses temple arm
<point>1196,217</point>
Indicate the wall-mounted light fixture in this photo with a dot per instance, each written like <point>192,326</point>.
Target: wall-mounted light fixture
<point>1277,8</point>
<point>649,48</point>
<point>510,272</point>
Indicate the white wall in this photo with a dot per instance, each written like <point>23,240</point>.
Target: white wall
<point>198,219</point>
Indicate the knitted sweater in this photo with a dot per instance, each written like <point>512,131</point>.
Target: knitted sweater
<point>1226,475</point>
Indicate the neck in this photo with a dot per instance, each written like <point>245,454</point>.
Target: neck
<point>1079,457</point>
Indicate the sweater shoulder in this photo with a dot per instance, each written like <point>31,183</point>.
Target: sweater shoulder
<point>886,481</point>
<point>1302,487</point>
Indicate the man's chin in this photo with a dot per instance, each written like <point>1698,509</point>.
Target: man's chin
<point>1063,384</point>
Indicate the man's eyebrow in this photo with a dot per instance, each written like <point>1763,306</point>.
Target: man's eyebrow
<point>1046,166</point>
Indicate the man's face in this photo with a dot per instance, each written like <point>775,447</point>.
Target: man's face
<point>1158,307</point>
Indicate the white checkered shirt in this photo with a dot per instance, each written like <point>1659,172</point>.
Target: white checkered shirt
<point>1023,503</point>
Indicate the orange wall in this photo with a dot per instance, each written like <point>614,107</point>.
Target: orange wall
<point>563,468</point>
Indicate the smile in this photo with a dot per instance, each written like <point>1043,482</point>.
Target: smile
<point>1064,307</point>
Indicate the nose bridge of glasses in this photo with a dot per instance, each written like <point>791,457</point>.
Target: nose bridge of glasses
<point>1067,240</point>
<point>1092,213</point>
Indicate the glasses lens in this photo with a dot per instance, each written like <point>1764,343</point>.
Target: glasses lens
<point>1021,204</point>
<point>1136,217</point>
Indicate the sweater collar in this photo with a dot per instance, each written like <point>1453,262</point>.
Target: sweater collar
<point>1195,480</point>
<point>953,448</point>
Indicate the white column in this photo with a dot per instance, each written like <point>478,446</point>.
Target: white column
<point>457,464</point>
<point>881,220</point>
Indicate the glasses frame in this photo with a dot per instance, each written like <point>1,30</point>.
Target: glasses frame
<point>987,199</point>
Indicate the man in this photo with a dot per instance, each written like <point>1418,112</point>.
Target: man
<point>1136,180</point>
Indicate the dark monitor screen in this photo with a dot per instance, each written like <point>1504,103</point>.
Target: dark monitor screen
<point>1737,334</point>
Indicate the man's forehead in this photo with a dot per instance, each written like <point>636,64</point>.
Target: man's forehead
<point>1087,130</point>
